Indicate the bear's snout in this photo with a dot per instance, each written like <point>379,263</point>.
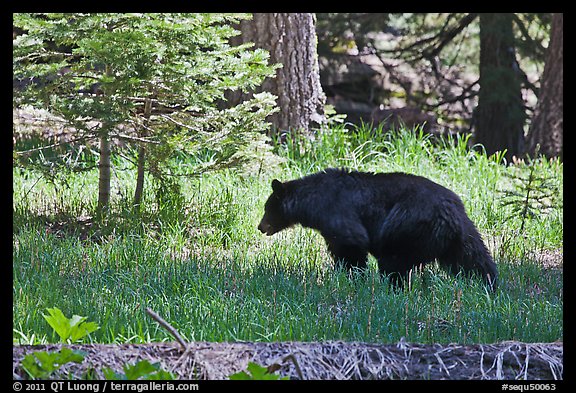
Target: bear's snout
<point>266,228</point>
<point>261,228</point>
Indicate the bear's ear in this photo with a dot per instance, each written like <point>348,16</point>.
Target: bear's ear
<point>277,186</point>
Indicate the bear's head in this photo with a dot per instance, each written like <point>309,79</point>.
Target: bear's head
<point>274,219</point>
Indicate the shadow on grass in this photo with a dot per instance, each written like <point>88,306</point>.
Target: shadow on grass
<point>93,228</point>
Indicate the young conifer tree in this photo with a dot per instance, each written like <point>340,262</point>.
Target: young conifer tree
<point>151,80</point>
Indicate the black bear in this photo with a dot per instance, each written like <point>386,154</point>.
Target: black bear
<point>403,220</point>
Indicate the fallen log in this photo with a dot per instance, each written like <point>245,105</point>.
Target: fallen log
<point>319,360</point>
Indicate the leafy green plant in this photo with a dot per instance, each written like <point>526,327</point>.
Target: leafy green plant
<point>256,372</point>
<point>69,329</point>
<point>143,370</point>
<point>41,364</point>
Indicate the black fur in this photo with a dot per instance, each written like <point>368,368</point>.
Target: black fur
<point>403,220</point>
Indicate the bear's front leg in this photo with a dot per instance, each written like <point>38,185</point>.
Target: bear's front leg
<point>347,256</point>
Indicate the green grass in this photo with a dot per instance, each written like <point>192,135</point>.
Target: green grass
<point>203,266</point>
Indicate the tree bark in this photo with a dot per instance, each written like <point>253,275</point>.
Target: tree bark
<point>290,38</point>
<point>547,127</point>
<point>104,165</point>
<point>142,157</point>
<point>140,175</point>
<point>104,174</point>
<point>500,115</point>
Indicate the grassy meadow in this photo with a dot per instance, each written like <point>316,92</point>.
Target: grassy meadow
<point>200,262</point>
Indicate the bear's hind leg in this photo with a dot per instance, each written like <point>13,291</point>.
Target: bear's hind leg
<point>471,258</point>
<point>396,268</point>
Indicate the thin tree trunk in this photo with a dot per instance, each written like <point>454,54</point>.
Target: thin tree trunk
<point>547,127</point>
<point>142,158</point>
<point>500,116</point>
<point>140,175</point>
<point>291,40</point>
<point>104,165</point>
<point>104,174</point>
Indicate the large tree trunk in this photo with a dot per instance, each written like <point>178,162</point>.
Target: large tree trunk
<point>547,127</point>
<point>291,40</point>
<point>500,116</point>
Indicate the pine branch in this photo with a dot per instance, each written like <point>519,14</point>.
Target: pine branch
<point>429,47</point>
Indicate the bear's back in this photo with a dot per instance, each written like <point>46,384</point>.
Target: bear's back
<point>398,185</point>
